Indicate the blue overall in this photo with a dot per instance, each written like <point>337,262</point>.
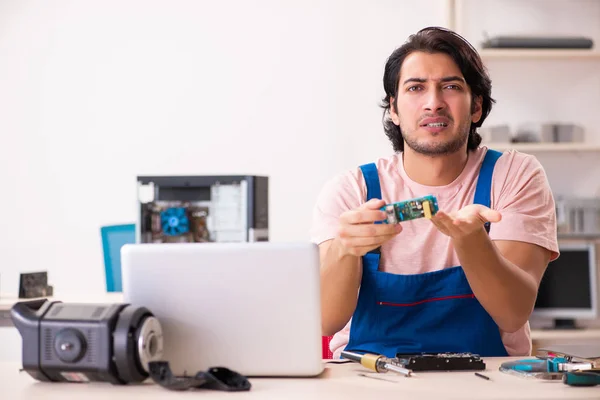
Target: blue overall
<point>433,312</point>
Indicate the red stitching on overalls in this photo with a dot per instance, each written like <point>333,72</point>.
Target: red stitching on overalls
<point>460,296</point>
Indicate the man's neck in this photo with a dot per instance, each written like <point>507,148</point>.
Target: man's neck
<point>437,170</point>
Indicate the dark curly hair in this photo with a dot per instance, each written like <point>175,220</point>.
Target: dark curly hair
<point>437,40</point>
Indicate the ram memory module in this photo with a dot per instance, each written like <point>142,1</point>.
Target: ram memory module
<point>421,207</point>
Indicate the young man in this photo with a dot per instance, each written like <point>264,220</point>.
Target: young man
<point>465,280</point>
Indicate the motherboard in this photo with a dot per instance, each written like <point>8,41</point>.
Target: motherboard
<point>421,207</point>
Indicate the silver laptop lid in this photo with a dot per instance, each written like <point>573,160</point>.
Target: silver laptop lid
<point>250,307</point>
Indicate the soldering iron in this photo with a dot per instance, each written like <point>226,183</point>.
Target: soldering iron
<point>376,363</point>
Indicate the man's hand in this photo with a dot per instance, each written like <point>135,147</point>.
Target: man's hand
<point>466,221</point>
<point>341,267</point>
<point>358,234</point>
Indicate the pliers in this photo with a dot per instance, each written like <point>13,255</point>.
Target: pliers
<point>588,377</point>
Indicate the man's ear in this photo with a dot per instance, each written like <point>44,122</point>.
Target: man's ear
<point>393,114</point>
<point>476,110</point>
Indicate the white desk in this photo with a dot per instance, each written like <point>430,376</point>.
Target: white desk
<point>337,382</point>
<point>547,337</point>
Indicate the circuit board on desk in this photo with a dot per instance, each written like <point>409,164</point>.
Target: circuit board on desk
<point>440,361</point>
<point>421,207</point>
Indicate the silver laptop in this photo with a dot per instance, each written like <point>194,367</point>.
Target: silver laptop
<point>250,307</point>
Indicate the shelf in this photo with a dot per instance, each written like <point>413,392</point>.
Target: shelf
<point>544,147</point>
<point>496,54</point>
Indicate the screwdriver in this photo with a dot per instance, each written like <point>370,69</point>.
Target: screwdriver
<point>376,363</point>
<point>533,365</point>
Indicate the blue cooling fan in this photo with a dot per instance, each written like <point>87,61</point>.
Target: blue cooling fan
<point>174,221</point>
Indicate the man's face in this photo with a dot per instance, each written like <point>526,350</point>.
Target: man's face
<point>434,104</point>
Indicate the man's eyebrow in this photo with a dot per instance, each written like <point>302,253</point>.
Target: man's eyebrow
<point>418,80</point>
<point>452,78</point>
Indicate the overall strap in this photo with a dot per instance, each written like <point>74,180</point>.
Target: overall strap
<point>484,181</point>
<point>371,177</point>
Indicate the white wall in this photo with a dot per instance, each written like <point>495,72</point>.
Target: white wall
<point>97,92</point>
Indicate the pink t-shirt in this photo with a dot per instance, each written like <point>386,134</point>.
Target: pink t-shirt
<point>520,192</point>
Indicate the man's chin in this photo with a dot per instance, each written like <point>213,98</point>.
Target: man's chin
<point>436,147</point>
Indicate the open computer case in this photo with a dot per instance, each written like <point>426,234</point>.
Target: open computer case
<point>191,209</point>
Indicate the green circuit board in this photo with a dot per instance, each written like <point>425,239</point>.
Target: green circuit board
<point>421,207</point>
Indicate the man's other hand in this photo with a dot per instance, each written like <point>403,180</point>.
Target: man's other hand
<point>466,221</point>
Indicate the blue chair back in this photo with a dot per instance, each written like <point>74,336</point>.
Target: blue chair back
<point>113,238</point>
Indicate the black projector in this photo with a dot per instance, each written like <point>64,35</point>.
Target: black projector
<point>87,342</point>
